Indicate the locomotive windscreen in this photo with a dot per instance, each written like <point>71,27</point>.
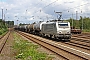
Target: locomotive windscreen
<point>62,25</point>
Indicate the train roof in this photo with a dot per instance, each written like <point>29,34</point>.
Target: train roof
<point>58,22</point>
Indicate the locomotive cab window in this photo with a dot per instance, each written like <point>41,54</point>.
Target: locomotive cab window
<point>62,25</point>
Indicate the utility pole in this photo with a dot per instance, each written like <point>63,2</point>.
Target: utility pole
<point>82,22</point>
<point>72,20</point>
<point>5,14</point>
<point>4,20</point>
<point>17,22</point>
<point>76,15</point>
<point>2,14</point>
<point>4,17</point>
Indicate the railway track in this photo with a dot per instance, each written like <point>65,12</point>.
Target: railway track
<point>64,51</point>
<point>3,41</point>
<point>81,39</point>
<point>81,42</point>
<point>78,45</point>
<point>87,36</point>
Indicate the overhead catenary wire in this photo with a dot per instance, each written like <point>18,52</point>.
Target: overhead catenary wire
<point>68,9</point>
<point>45,6</point>
<point>65,9</point>
<point>79,13</point>
<point>76,6</point>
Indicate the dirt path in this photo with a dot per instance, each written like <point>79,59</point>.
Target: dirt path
<point>7,52</point>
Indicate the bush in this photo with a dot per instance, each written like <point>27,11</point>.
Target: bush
<point>3,30</point>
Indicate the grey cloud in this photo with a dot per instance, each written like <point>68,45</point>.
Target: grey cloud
<point>25,9</point>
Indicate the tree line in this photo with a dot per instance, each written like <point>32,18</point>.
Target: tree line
<point>82,22</point>
<point>4,25</point>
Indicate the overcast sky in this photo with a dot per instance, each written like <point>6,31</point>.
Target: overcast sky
<point>29,11</point>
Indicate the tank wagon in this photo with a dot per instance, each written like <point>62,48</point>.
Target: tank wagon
<point>16,27</point>
<point>22,28</point>
<point>59,30</point>
<point>37,27</point>
<point>29,28</point>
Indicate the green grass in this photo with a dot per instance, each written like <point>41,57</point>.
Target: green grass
<point>25,50</point>
<point>86,30</point>
<point>3,31</point>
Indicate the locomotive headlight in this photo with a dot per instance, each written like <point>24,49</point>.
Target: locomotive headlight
<point>59,32</point>
<point>68,32</point>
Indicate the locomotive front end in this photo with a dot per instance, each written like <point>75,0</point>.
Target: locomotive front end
<point>64,30</point>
